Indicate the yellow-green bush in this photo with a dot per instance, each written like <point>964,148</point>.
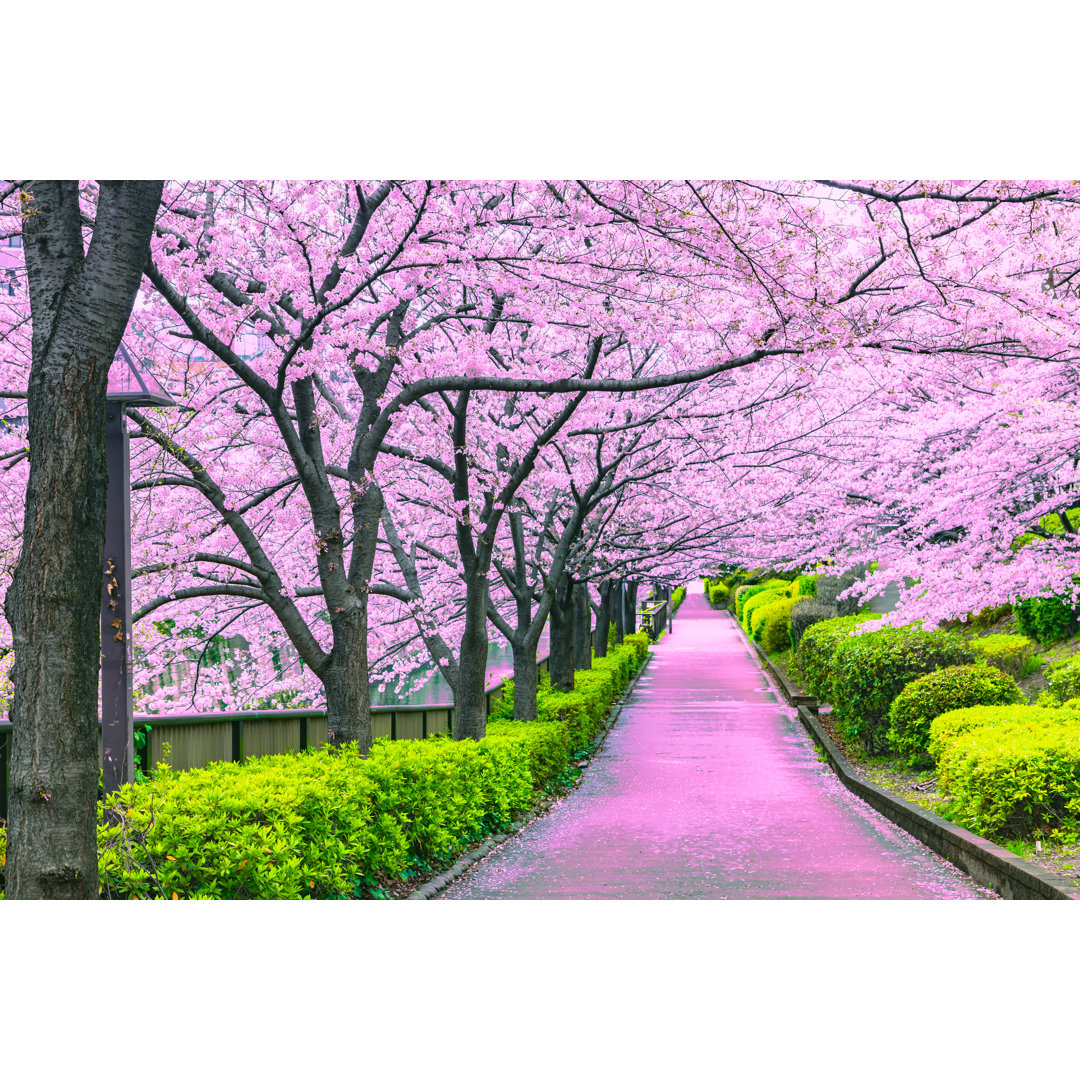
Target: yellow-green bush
<point>771,626</point>
<point>758,601</point>
<point>1014,780</point>
<point>717,593</point>
<point>944,690</point>
<point>949,725</point>
<point>1007,652</point>
<point>745,593</point>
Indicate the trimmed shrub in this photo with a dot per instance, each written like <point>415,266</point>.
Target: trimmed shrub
<point>1010,780</point>
<point>805,585</point>
<point>759,600</point>
<point>869,670</point>
<point>774,628</point>
<point>1007,652</point>
<point>1063,678</point>
<point>718,593</point>
<point>747,592</point>
<point>804,613</point>
<point>949,725</point>
<point>813,659</point>
<point>677,597</point>
<point>940,691</point>
<point>1047,619</point>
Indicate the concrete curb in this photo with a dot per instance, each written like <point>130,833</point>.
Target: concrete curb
<point>985,862</point>
<point>430,889</point>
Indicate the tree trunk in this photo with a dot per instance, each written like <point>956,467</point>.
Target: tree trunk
<point>346,680</point>
<point>618,608</point>
<point>470,701</point>
<point>630,624</point>
<point>525,682</point>
<point>561,662</point>
<point>582,630</point>
<point>603,620</point>
<point>80,305</point>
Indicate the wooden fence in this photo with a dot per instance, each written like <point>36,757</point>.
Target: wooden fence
<point>196,739</point>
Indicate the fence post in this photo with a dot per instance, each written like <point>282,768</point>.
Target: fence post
<point>238,740</point>
<point>305,732</point>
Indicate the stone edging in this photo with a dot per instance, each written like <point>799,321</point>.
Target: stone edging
<point>430,889</point>
<point>985,862</point>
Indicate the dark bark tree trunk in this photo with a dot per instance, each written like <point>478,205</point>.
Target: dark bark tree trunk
<point>618,608</point>
<point>346,678</point>
<point>80,305</point>
<point>582,630</point>
<point>470,701</point>
<point>630,618</point>
<point>561,662</point>
<point>603,620</point>
<point>526,679</point>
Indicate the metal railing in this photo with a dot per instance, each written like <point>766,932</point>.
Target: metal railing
<point>655,618</point>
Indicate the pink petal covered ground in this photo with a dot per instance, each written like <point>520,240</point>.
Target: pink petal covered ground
<point>708,788</point>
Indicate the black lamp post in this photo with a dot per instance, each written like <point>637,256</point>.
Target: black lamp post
<point>128,385</point>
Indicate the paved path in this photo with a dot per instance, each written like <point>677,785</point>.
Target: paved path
<point>708,787</point>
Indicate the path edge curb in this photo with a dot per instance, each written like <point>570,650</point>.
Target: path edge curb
<point>430,889</point>
<point>1010,876</point>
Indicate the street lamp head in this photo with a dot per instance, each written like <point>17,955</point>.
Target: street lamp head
<point>132,384</point>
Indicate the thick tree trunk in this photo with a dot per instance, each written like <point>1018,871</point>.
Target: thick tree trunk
<point>346,680</point>
<point>618,608</point>
<point>603,620</point>
<point>561,662</point>
<point>630,623</point>
<point>525,682</point>
<point>470,701</point>
<point>582,630</point>
<point>80,306</point>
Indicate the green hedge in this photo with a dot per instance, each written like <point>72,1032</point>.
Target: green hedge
<point>927,697</point>
<point>813,658</point>
<point>1047,619</point>
<point>327,824</point>
<point>746,593</point>
<point>947,726</point>
<point>718,593</point>
<point>771,626</point>
<point>869,670</point>
<point>1063,678</point>
<point>758,601</point>
<point>1008,652</point>
<point>677,597</point>
<point>1009,779</point>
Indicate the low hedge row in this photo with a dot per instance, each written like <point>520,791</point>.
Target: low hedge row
<point>677,597</point>
<point>326,824</point>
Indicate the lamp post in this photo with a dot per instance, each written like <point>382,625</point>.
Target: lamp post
<point>128,385</point>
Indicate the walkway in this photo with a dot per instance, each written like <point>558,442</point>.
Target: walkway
<point>708,787</point>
